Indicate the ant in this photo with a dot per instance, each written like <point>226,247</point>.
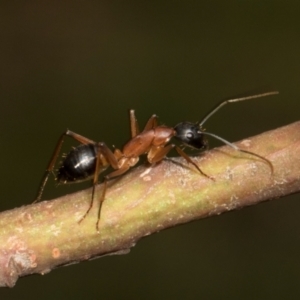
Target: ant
<point>90,158</point>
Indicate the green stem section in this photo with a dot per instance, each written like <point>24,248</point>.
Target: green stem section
<point>39,237</point>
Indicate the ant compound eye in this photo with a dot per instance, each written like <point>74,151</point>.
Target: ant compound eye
<point>189,135</point>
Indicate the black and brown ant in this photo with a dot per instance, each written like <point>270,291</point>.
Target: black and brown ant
<point>90,158</point>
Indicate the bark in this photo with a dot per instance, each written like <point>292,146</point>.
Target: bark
<point>37,238</point>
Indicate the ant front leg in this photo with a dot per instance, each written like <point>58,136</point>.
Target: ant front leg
<point>189,160</point>
<point>156,154</point>
<point>81,139</point>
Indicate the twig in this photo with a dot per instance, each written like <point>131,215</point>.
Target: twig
<point>37,238</point>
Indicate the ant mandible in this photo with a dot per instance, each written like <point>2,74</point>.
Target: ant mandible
<point>90,158</point>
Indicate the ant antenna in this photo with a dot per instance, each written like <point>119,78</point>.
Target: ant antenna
<point>239,149</point>
<point>214,110</point>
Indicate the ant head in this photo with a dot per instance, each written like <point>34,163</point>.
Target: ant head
<point>190,134</point>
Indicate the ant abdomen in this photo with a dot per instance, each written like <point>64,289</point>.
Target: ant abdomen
<point>79,164</point>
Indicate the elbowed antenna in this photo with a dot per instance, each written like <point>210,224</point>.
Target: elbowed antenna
<point>239,149</point>
<point>214,110</point>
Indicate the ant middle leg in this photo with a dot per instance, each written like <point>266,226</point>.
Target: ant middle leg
<point>103,154</point>
<point>189,160</point>
<point>111,175</point>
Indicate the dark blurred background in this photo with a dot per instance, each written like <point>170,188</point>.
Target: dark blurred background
<point>82,64</point>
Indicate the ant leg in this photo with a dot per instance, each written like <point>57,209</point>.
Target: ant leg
<point>109,155</point>
<point>80,138</point>
<point>106,178</point>
<point>54,156</point>
<point>156,154</point>
<point>50,167</point>
<point>151,123</point>
<point>118,154</point>
<point>134,126</point>
<point>102,151</point>
<point>100,203</point>
<point>189,160</point>
<point>95,182</point>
